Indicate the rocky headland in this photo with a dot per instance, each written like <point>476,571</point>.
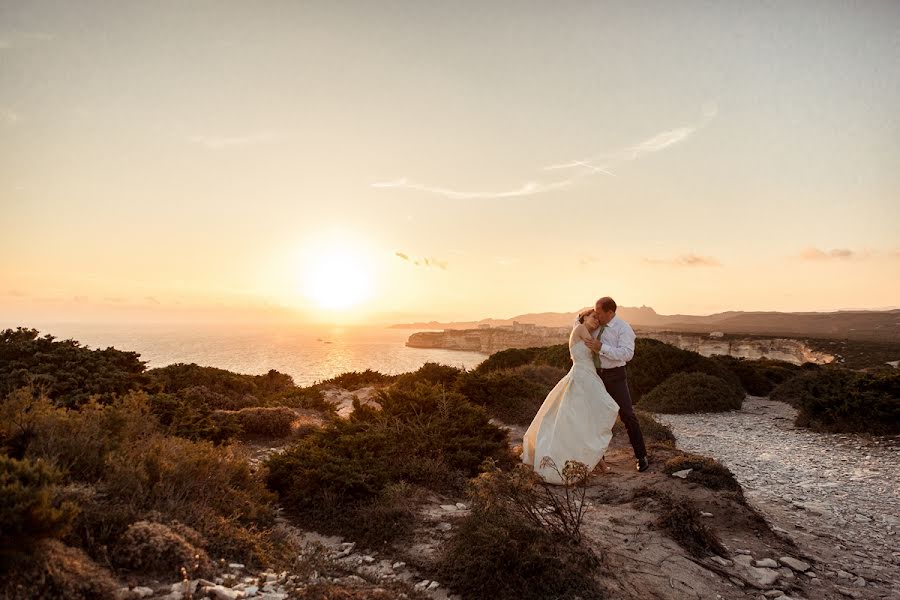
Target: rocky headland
<point>488,340</point>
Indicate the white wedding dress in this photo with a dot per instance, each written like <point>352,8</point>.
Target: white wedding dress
<point>574,422</point>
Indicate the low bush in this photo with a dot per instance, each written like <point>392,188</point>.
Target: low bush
<point>507,359</point>
<point>840,400</point>
<point>354,380</point>
<point>255,422</point>
<point>310,398</point>
<point>691,393</point>
<point>653,430</point>
<point>680,519</point>
<point>503,550</point>
<point>426,437</point>
<point>188,414</point>
<point>429,374</point>
<point>554,356</point>
<point>219,388</point>
<point>758,377</point>
<point>654,362</point>
<point>29,507</point>
<point>153,548</point>
<point>67,372</point>
<point>510,395</point>
<point>55,571</point>
<point>706,471</point>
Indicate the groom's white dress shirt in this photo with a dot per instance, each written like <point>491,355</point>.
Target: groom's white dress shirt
<point>616,344</point>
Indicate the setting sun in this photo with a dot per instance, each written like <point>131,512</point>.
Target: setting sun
<point>337,279</point>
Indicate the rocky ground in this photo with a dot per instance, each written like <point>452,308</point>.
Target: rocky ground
<point>837,496</point>
<point>831,501</point>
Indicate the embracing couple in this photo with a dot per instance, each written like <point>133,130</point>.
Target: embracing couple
<point>576,419</point>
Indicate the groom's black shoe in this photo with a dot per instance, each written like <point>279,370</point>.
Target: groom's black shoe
<point>643,464</point>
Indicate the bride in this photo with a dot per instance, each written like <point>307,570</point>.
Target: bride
<point>576,419</point>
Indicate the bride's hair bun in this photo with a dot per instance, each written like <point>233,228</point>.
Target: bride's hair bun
<point>584,315</point>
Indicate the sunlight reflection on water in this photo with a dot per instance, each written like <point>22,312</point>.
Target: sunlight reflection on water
<point>308,355</point>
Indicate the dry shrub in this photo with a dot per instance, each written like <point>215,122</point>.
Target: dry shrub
<point>706,471</point>
<point>153,548</point>
<point>680,519</point>
<point>354,380</point>
<point>515,543</point>
<point>510,395</point>
<point>58,572</point>
<point>78,442</point>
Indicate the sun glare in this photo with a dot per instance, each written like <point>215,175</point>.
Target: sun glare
<point>336,278</point>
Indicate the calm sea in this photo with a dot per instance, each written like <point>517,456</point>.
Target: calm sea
<point>306,354</point>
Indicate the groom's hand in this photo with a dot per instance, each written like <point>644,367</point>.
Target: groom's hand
<point>593,345</point>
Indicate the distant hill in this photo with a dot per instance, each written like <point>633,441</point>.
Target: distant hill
<point>883,326</point>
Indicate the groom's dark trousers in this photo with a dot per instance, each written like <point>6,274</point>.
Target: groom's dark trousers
<point>616,382</point>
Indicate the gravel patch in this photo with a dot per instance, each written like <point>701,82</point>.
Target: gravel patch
<point>842,489</point>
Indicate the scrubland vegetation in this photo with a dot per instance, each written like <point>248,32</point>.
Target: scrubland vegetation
<point>110,470</point>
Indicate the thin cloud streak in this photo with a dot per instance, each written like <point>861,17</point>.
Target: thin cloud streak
<point>686,260</point>
<point>815,254</point>
<point>598,164</point>
<point>220,142</point>
<point>529,188</point>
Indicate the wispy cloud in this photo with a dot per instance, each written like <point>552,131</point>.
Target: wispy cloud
<point>526,189</point>
<point>16,293</point>
<point>834,254</point>
<point>20,38</point>
<point>599,164</point>
<point>422,262</point>
<point>685,260</point>
<point>9,117</point>
<point>220,142</point>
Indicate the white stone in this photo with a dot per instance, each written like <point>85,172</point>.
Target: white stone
<point>721,561</point>
<point>706,514</point>
<point>448,506</point>
<point>444,526</point>
<point>220,592</point>
<point>461,506</point>
<point>141,592</point>
<point>368,559</point>
<point>235,566</point>
<point>682,474</point>
<point>422,584</point>
<point>795,564</point>
<point>766,562</point>
<point>398,564</point>
<point>433,586</point>
<point>860,582</point>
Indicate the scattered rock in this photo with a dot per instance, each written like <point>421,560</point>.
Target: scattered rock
<point>766,562</point>
<point>706,514</point>
<point>795,564</point>
<point>444,527</point>
<point>433,586</point>
<point>449,507</point>
<point>682,474</point>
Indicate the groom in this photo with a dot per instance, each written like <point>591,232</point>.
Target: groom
<point>616,347</point>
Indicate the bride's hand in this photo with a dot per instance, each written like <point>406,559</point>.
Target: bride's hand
<point>593,345</point>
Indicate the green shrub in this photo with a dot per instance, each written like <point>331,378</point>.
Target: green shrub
<point>500,551</point>
<point>187,414</point>
<point>218,388</point>
<point>354,380</point>
<point>758,377</point>
<point>429,374</point>
<point>554,356</point>
<point>153,548</point>
<point>841,400</point>
<point>29,508</point>
<point>426,437</point>
<point>507,359</point>
<point>310,398</point>
<point>510,395</point>
<point>654,362</point>
<point>693,392</point>
<point>260,421</point>
<point>706,471</point>
<point>55,571</point>
<point>68,373</point>
<point>653,430</point>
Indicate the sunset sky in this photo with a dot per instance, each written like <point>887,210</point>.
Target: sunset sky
<point>397,161</point>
